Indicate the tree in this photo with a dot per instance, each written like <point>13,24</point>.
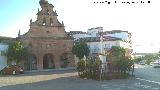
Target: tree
<point>150,58</point>
<point>116,53</point>
<point>158,54</point>
<point>120,62</point>
<point>17,52</point>
<point>138,59</point>
<point>89,68</point>
<point>80,49</point>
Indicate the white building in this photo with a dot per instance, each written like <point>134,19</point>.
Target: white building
<point>110,38</point>
<point>124,35</point>
<point>96,46</point>
<point>95,32</point>
<point>3,58</point>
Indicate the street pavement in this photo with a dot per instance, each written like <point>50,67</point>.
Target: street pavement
<point>148,73</point>
<point>68,80</point>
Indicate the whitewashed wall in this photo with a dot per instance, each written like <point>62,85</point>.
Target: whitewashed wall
<point>94,31</point>
<point>98,47</point>
<point>3,59</point>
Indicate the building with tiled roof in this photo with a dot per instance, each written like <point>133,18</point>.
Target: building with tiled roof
<point>99,42</point>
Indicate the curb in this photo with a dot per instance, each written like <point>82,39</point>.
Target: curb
<point>46,70</point>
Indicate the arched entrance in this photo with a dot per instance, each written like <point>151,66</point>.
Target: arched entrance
<point>64,60</point>
<point>48,62</point>
<point>31,63</point>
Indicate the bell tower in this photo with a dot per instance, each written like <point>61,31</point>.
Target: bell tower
<point>47,16</point>
<point>47,24</point>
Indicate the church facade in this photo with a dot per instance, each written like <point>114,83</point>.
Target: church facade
<point>47,41</point>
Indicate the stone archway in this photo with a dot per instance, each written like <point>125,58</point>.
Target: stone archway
<point>31,64</point>
<point>48,62</point>
<point>64,60</point>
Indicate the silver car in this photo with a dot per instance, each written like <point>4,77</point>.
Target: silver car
<point>156,64</point>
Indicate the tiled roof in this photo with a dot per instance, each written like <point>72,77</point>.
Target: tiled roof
<point>97,39</point>
<point>76,32</point>
<point>71,33</point>
<point>96,28</point>
<point>114,31</point>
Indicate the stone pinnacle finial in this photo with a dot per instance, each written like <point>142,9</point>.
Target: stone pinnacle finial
<point>43,2</point>
<point>62,23</point>
<point>31,21</point>
<point>19,33</point>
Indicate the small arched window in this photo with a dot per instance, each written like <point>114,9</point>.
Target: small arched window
<point>51,21</point>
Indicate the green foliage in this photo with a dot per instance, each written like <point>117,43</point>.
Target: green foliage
<point>119,62</point>
<point>81,66</point>
<point>17,52</point>
<point>80,49</point>
<point>116,53</point>
<point>89,69</point>
<point>138,59</point>
<point>148,58</point>
<point>118,66</point>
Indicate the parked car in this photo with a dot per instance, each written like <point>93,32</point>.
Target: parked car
<point>156,64</point>
<point>13,70</point>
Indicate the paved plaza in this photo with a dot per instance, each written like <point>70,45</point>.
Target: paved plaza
<point>68,80</point>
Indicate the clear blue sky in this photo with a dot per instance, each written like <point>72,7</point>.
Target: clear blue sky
<point>13,11</point>
<point>142,20</point>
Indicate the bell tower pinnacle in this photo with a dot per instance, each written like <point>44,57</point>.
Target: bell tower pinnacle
<point>43,2</point>
<point>47,16</point>
<point>47,23</point>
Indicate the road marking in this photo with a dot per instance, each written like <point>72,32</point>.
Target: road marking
<point>116,87</point>
<point>148,80</point>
